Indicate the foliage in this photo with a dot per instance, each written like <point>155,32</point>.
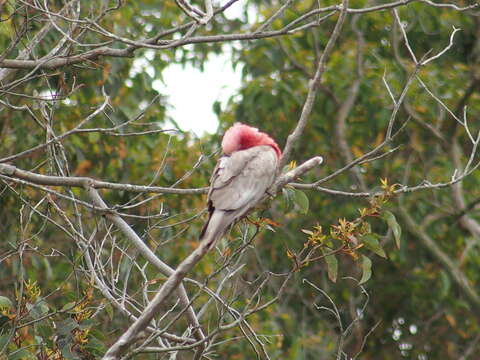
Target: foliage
<point>344,265</point>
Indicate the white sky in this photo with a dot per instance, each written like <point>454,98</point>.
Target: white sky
<point>191,93</point>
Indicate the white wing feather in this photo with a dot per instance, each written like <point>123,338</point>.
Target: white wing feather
<point>238,183</point>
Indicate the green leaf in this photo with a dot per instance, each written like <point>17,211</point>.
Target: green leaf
<point>332,267</point>
<point>251,229</point>
<point>445,284</point>
<point>64,327</point>
<point>69,307</point>
<point>45,330</point>
<point>67,353</point>
<point>5,303</point>
<point>371,242</point>
<point>393,224</point>
<point>366,269</point>
<point>308,232</point>
<point>302,201</point>
<point>217,107</point>
<point>288,197</point>
<point>96,347</point>
<point>37,310</point>
<point>86,324</point>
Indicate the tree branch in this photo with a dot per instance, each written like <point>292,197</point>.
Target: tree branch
<point>82,182</point>
<point>452,268</point>
<point>313,86</point>
<point>152,258</point>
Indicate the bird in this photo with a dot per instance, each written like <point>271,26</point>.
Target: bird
<point>240,179</point>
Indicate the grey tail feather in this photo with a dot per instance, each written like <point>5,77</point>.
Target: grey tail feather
<point>204,229</point>
<point>215,226</point>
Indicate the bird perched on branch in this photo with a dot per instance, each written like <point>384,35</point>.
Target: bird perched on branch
<point>240,179</point>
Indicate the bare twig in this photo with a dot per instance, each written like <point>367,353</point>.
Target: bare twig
<point>313,86</point>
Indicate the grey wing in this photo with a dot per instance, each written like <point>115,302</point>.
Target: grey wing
<point>241,180</point>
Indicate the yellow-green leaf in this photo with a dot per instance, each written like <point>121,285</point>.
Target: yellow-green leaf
<point>366,269</point>
<point>332,267</point>
<point>372,243</point>
<point>393,224</point>
<point>302,201</point>
<point>5,303</point>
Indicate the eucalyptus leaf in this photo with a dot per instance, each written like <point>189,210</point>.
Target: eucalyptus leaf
<point>372,243</point>
<point>301,200</point>
<point>332,267</point>
<point>288,198</point>
<point>5,303</point>
<point>393,224</point>
<point>366,269</point>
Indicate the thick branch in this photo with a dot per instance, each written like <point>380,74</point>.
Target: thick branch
<point>466,221</point>
<point>152,258</point>
<point>82,182</point>
<point>296,173</point>
<point>172,283</point>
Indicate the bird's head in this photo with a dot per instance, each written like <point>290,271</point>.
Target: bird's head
<point>242,137</point>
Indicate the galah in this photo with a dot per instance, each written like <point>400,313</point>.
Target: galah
<point>240,179</point>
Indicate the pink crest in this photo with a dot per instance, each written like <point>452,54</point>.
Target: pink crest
<point>242,137</point>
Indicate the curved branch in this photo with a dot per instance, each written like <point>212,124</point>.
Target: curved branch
<point>82,182</point>
<point>152,258</point>
<point>458,276</point>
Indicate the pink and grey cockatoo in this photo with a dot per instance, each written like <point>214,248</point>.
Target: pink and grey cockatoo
<point>240,179</point>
